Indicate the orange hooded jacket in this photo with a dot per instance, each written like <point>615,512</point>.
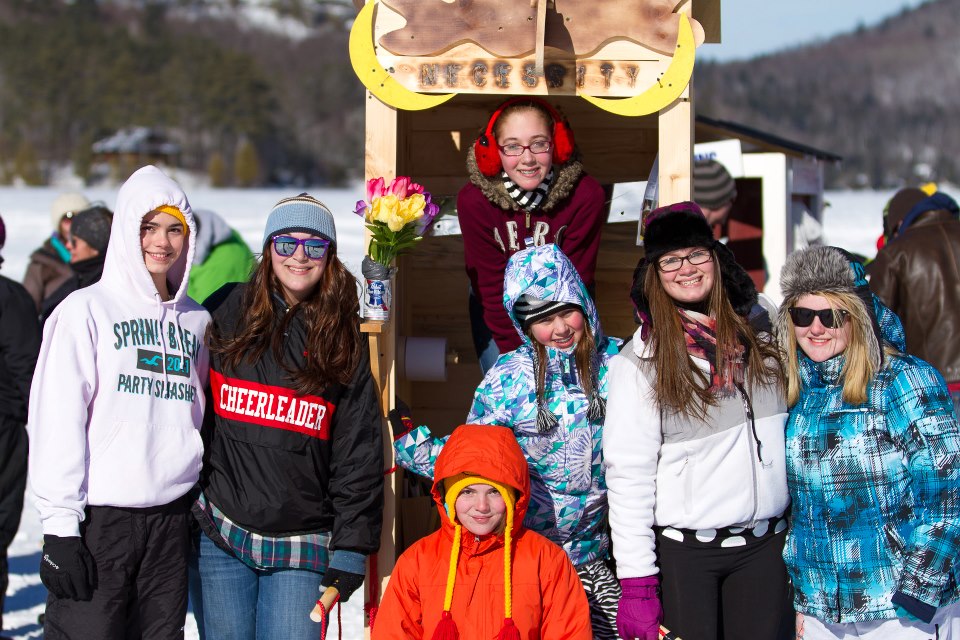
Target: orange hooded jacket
<point>548,600</point>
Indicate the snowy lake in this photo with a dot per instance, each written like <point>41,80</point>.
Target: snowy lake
<point>853,221</point>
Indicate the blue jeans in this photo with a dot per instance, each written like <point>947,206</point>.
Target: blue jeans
<point>240,603</point>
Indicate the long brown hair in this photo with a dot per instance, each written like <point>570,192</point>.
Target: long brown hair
<point>679,385</point>
<point>330,315</point>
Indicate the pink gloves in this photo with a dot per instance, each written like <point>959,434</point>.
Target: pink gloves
<point>639,612</point>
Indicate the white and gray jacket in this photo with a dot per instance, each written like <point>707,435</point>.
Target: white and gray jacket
<point>680,471</point>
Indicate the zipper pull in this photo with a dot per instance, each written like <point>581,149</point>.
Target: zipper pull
<point>527,213</point>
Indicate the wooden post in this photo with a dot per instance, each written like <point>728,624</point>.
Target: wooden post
<point>675,145</point>
<point>381,160</point>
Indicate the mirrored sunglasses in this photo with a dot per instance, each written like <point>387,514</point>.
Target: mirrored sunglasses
<point>830,318</point>
<point>313,248</point>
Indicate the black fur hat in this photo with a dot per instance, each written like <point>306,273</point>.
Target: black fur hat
<point>682,225</point>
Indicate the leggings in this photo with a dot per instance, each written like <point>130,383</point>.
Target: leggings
<point>713,592</point>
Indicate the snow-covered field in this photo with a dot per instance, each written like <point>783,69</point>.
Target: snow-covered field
<point>853,220</point>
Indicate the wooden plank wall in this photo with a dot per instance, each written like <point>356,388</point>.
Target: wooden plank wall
<point>431,292</point>
<point>615,148</point>
<point>432,285</point>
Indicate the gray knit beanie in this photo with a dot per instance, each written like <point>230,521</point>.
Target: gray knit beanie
<point>93,227</point>
<point>713,186</point>
<point>302,213</point>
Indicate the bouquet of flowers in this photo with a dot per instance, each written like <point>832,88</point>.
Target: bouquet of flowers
<point>396,215</point>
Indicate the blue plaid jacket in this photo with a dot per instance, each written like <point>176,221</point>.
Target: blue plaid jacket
<point>875,489</point>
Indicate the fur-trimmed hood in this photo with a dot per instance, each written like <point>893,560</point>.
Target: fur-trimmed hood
<point>565,178</point>
<point>819,270</point>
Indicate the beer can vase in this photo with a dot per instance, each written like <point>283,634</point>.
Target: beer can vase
<point>377,290</point>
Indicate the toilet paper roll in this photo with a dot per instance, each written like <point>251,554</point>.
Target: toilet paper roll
<point>424,359</point>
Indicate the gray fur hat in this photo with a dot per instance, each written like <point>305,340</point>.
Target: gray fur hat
<point>819,270</point>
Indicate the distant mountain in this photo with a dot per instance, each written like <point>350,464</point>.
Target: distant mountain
<point>220,76</point>
<point>885,98</point>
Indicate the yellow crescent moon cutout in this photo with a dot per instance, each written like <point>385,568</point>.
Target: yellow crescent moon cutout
<point>374,77</point>
<point>668,87</point>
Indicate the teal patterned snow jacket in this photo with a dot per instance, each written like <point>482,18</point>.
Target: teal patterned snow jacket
<point>875,488</point>
<point>568,501</point>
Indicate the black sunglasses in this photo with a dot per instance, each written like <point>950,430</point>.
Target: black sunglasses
<point>830,318</point>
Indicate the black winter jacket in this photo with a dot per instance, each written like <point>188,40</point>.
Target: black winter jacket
<point>280,464</point>
<point>19,347</point>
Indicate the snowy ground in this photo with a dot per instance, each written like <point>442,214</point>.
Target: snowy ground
<point>853,220</point>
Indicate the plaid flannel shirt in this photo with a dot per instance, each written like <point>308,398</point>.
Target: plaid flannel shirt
<point>309,551</point>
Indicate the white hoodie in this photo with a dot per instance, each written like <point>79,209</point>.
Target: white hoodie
<point>118,395</point>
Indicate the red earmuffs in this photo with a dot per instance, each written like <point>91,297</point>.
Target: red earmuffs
<point>488,155</point>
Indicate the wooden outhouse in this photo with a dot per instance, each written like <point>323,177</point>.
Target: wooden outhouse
<point>619,70</point>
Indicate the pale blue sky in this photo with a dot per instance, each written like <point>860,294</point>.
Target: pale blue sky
<point>754,27</point>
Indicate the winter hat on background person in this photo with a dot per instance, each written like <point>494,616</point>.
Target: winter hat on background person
<point>897,209</point>
<point>92,225</point>
<point>67,204</point>
<point>302,213</point>
<point>939,201</point>
<point>713,186</point>
<point>529,309</point>
<point>682,225</point>
<point>819,270</point>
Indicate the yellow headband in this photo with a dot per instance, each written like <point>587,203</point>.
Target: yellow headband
<point>175,212</point>
<point>459,482</point>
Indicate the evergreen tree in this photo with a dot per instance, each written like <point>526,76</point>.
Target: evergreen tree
<point>217,170</point>
<point>246,165</point>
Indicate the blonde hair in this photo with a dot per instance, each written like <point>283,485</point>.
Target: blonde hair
<point>858,369</point>
<point>680,385</point>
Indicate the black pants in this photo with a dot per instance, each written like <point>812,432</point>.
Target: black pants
<point>141,585</point>
<point>13,482</point>
<point>714,592</point>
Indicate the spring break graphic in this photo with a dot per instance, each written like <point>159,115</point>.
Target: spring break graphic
<point>166,359</point>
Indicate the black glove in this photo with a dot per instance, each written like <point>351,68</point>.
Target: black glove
<point>400,420</point>
<point>67,569</point>
<point>345,582</point>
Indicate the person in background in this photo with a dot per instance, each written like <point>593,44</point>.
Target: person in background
<point>116,407</point>
<point>87,241</point>
<point>222,256</point>
<point>714,191</point>
<point>873,464</point>
<point>551,393</point>
<point>917,275</point>
<point>527,188</point>
<point>896,210</point>
<point>693,444</point>
<point>484,574</point>
<point>19,346</point>
<point>48,267</point>
<point>291,492</point>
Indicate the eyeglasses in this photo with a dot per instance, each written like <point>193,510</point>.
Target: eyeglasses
<point>537,146</point>
<point>829,318</point>
<point>313,248</point>
<point>673,264</point>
